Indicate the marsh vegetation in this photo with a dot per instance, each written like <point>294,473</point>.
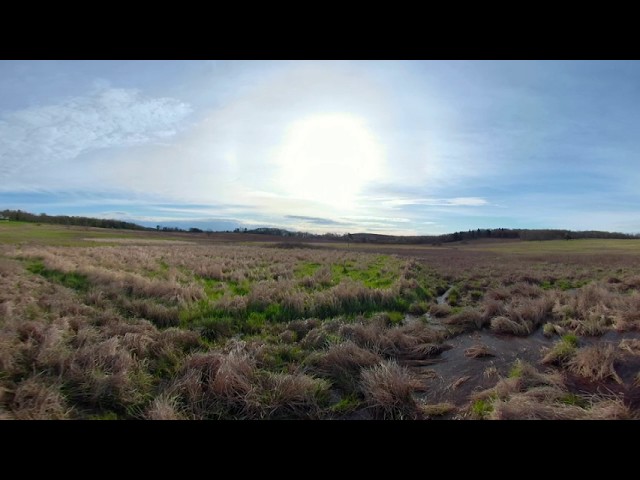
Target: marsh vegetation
<point>203,330</point>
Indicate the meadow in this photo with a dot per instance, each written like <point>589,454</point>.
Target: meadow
<point>102,324</point>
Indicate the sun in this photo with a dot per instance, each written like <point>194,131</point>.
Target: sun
<point>328,159</point>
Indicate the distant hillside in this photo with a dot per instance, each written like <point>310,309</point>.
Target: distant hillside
<point>462,236</point>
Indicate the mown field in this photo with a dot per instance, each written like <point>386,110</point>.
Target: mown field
<point>100,324</point>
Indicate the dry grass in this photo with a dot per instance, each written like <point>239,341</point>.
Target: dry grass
<point>478,351</point>
<point>291,396</point>
<point>164,408</point>
<point>522,377</point>
<point>468,318</point>
<point>440,310</point>
<point>529,394</point>
<point>233,378</point>
<point>596,363</point>
<point>506,325</point>
<point>413,340</point>
<point>459,381</point>
<point>388,389</point>
<point>438,409</point>
<point>343,363</point>
<point>526,407</point>
<point>36,400</point>
<point>631,345</point>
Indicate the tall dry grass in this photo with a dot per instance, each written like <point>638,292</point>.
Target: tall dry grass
<point>388,389</point>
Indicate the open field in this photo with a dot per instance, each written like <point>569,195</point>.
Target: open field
<point>101,324</point>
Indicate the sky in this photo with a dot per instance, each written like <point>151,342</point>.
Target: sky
<point>388,147</point>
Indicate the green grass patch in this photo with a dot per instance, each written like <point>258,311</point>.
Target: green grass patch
<point>239,288</point>
<point>347,404</point>
<point>573,399</point>
<point>570,339</point>
<point>70,236</point>
<point>381,273</point>
<point>481,408</point>
<point>306,269</point>
<point>562,350</point>
<point>516,371</point>
<point>454,297</point>
<point>562,284</point>
<point>395,317</point>
<point>279,357</point>
<point>72,280</point>
<point>213,288</point>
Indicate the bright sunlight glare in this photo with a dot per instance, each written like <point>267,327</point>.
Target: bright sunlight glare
<point>328,159</point>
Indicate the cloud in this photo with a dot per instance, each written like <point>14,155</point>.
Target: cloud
<point>55,134</point>
<point>369,218</point>
<point>316,220</point>
<point>437,202</point>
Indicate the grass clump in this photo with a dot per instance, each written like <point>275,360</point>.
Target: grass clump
<point>438,409</point>
<point>562,351</point>
<point>388,389</point>
<point>596,363</point>
<point>481,408</point>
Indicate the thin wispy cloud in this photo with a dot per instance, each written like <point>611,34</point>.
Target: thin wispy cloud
<point>58,134</point>
<point>316,220</point>
<point>437,202</point>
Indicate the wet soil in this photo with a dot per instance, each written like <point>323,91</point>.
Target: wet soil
<point>455,374</point>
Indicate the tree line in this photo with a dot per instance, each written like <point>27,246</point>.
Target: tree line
<point>509,233</point>
<point>20,216</point>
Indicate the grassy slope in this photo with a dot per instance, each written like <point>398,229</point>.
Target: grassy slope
<point>74,236</point>
<point>588,246</point>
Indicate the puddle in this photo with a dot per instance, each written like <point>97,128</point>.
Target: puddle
<point>454,376</point>
<point>457,375</point>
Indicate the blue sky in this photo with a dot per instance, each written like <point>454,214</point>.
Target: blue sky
<point>399,147</point>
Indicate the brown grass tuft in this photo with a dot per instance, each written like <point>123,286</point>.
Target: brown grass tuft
<point>532,406</point>
<point>344,362</point>
<point>596,362</point>
<point>631,345</point>
<point>440,310</point>
<point>438,409</point>
<point>478,351</point>
<point>233,380</point>
<point>388,389</point>
<point>509,326</point>
<point>609,409</point>
<point>468,318</point>
<point>525,407</point>
<point>164,408</point>
<point>36,400</point>
<point>290,395</point>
